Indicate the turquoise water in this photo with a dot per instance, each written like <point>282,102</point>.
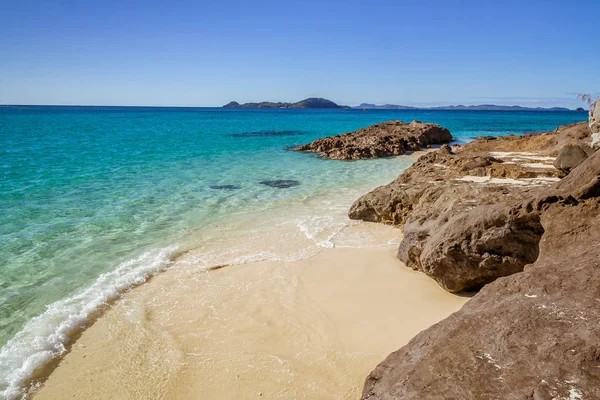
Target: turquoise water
<point>87,191</point>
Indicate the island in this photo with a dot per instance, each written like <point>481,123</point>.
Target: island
<point>312,102</point>
<point>481,107</point>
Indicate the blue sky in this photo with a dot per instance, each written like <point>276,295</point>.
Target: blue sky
<point>207,53</point>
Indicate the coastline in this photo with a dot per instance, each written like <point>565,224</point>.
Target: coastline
<point>320,242</point>
<point>309,328</point>
<point>283,233</point>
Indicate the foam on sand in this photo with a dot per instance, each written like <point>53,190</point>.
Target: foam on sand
<point>47,336</point>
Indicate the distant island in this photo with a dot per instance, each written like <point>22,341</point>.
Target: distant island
<point>312,102</point>
<point>482,107</point>
<point>317,102</point>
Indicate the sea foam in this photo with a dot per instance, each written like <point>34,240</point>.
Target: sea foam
<point>46,336</point>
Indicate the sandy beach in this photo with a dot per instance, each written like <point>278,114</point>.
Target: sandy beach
<point>311,328</point>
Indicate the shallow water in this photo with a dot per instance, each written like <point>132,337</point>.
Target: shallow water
<point>94,200</point>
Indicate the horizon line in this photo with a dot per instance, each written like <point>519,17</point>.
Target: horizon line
<point>341,105</point>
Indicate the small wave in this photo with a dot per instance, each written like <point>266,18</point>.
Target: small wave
<point>45,337</point>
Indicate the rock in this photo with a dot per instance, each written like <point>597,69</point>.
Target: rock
<point>421,186</point>
<point>462,212</point>
<point>581,184</point>
<point>281,184</point>
<point>548,143</point>
<point>531,335</point>
<point>570,157</point>
<point>476,247</point>
<point>387,139</point>
<point>225,187</point>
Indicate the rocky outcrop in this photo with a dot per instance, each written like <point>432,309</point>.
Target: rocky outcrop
<point>462,211</point>
<point>533,335</point>
<point>387,139</point>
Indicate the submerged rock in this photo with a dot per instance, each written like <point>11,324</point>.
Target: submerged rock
<point>225,187</point>
<point>281,184</point>
<point>387,139</point>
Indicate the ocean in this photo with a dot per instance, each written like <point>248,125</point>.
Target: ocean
<point>95,200</point>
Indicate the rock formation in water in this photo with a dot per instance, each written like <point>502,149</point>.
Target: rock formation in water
<point>387,139</point>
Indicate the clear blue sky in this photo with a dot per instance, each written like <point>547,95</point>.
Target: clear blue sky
<point>207,53</point>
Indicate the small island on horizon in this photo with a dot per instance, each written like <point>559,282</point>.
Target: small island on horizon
<point>480,107</point>
<point>312,102</point>
<point>317,102</point>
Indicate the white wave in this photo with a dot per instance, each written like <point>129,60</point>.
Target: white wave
<point>321,230</point>
<point>45,337</point>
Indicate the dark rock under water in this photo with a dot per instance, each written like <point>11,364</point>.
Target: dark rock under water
<point>281,184</point>
<point>225,187</point>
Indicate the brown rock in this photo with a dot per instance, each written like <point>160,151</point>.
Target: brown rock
<point>387,139</point>
<point>570,157</point>
<point>476,247</point>
<point>465,224</point>
<point>548,143</point>
<point>532,335</point>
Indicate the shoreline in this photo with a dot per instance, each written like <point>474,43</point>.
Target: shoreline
<point>320,232</point>
<point>188,323</point>
<point>310,232</point>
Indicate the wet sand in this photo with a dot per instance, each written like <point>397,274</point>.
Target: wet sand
<point>305,329</point>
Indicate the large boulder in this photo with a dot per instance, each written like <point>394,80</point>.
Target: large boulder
<point>570,157</point>
<point>387,139</point>
<point>476,247</point>
<point>533,335</point>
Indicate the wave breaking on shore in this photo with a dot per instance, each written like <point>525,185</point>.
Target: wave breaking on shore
<point>48,335</point>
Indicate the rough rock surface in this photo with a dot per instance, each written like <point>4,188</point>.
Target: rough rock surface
<point>387,139</point>
<point>570,157</point>
<point>464,225</point>
<point>533,335</point>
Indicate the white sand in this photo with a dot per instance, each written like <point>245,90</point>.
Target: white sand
<point>306,329</point>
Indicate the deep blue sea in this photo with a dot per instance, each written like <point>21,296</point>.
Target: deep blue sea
<point>93,200</point>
